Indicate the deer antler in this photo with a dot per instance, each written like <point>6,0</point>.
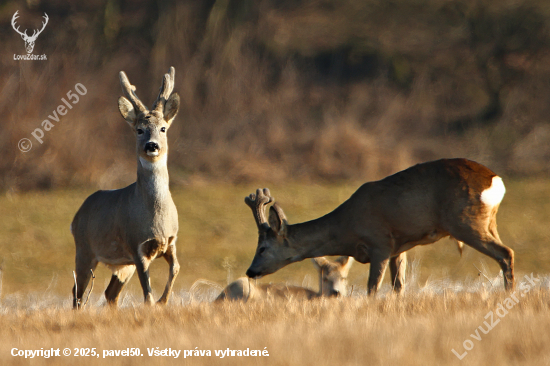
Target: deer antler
<point>257,203</point>
<point>130,91</point>
<point>37,32</point>
<point>15,16</point>
<point>165,90</point>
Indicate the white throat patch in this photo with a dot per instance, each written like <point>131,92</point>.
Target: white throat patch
<point>161,163</point>
<point>493,195</point>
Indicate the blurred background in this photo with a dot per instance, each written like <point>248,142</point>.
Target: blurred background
<point>274,90</point>
<point>312,97</point>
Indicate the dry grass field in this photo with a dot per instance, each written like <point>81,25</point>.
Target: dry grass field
<point>419,328</point>
<point>445,302</point>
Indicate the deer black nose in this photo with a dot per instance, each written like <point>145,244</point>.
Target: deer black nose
<point>152,146</point>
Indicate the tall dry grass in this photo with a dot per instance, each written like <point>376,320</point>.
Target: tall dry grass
<point>419,328</point>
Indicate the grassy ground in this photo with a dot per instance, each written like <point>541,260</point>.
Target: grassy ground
<point>420,328</point>
<point>445,300</point>
<point>217,237</point>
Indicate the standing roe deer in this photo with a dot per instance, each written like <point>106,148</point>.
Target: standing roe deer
<point>332,282</point>
<point>383,219</point>
<point>127,228</point>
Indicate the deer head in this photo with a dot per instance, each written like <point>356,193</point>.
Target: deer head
<point>150,126</point>
<point>29,40</point>
<point>273,251</point>
<point>333,275</point>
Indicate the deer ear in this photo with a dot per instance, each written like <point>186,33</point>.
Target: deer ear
<point>171,108</point>
<point>127,111</point>
<point>277,220</point>
<point>346,263</point>
<point>319,262</point>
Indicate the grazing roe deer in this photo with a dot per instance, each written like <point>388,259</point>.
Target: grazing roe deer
<point>127,228</point>
<point>332,282</point>
<point>383,219</point>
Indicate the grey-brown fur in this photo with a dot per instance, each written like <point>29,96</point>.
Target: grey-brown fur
<point>332,282</point>
<point>127,228</point>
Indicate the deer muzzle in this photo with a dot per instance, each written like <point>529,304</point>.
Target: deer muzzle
<point>252,274</point>
<point>152,149</point>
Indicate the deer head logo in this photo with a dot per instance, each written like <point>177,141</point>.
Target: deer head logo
<point>29,40</point>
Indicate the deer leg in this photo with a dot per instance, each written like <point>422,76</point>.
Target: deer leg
<point>488,242</point>
<point>120,277</point>
<point>172,260</point>
<point>142,268</point>
<point>83,275</point>
<point>378,267</point>
<point>398,267</point>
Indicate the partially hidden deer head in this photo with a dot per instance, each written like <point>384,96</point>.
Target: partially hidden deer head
<point>333,275</point>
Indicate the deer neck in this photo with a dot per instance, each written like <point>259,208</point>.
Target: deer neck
<point>316,238</point>
<point>152,180</point>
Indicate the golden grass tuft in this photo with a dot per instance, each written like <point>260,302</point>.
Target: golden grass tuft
<point>414,329</point>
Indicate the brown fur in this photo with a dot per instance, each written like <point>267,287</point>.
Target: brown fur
<point>383,219</point>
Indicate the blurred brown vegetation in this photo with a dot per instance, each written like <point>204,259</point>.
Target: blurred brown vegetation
<point>272,90</point>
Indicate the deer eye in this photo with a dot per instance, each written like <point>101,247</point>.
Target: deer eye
<point>163,129</point>
<point>139,131</point>
<point>262,249</point>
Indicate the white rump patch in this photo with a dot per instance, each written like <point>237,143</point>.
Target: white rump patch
<point>493,195</point>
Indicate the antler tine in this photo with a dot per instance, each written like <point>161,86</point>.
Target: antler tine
<point>257,203</point>
<point>165,90</point>
<point>13,24</point>
<point>44,23</point>
<point>130,92</point>
<point>268,194</point>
